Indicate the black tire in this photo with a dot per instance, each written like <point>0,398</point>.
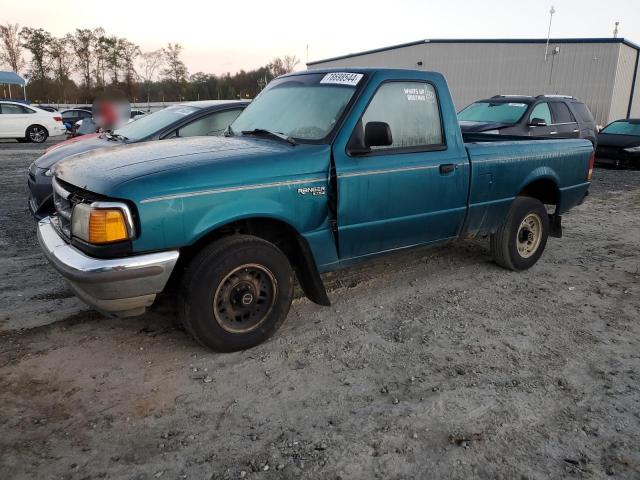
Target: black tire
<point>516,247</point>
<point>37,134</point>
<point>219,282</point>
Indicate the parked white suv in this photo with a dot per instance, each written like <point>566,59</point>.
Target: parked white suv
<point>26,123</point>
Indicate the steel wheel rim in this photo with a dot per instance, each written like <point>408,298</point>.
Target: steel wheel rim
<point>36,134</point>
<point>529,235</point>
<point>244,298</point>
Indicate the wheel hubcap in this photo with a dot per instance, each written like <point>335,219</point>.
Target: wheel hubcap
<point>244,298</point>
<point>37,134</point>
<point>529,235</point>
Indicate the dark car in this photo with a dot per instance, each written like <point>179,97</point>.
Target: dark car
<point>137,113</point>
<point>183,120</point>
<point>619,143</point>
<point>48,108</point>
<point>554,116</point>
<point>72,115</point>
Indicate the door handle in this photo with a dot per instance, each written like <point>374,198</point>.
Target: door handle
<point>553,133</point>
<point>576,131</point>
<point>447,168</point>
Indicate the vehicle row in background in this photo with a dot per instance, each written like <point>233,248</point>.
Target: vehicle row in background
<point>27,123</point>
<point>183,120</point>
<point>551,116</point>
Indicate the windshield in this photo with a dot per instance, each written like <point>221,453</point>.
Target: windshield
<point>499,112</point>
<point>150,124</point>
<point>303,107</point>
<point>623,128</point>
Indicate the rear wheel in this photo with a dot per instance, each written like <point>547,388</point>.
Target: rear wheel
<point>520,241</point>
<point>37,134</point>
<point>236,293</point>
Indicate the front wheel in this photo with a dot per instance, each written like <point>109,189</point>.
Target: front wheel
<point>236,293</point>
<point>520,241</point>
<point>37,134</point>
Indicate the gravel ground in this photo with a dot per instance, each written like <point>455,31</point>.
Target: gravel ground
<point>432,363</point>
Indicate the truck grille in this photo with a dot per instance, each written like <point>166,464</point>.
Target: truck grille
<point>63,202</point>
<point>65,197</point>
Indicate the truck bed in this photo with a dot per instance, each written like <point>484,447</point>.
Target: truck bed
<point>501,166</point>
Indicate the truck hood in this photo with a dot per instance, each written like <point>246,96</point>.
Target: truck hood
<point>468,126</point>
<point>185,165</point>
<point>73,146</point>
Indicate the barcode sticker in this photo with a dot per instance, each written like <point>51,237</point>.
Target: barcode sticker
<point>342,78</point>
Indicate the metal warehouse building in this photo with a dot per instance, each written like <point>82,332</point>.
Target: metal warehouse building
<point>602,72</point>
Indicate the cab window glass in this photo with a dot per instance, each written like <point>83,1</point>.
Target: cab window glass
<point>583,112</point>
<point>541,111</point>
<point>411,111</point>
<point>8,108</point>
<point>214,124</point>
<point>561,113</point>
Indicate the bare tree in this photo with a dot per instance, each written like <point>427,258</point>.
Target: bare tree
<point>103,46</point>
<point>63,60</point>
<point>129,51</point>
<point>37,41</point>
<point>148,66</point>
<point>280,66</point>
<point>175,71</point>
<point>84,43</point>
<point>290,62</point>
<point>10,47</point>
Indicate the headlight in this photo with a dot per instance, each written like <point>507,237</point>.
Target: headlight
<point>633,149</point>
<point>48,173</point>
<point>102,222</point>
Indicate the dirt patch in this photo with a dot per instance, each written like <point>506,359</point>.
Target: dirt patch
<point>433,363</point>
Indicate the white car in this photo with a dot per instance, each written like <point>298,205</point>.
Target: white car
<point>26,123</point>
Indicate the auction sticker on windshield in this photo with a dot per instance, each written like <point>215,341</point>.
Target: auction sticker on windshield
<point>342,78</point>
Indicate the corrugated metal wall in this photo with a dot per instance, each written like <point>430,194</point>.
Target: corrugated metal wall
<point>479,70</point>
<point>623,83</point>
<point>635,105</point>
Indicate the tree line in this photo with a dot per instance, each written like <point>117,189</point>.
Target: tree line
<point>81,66</point>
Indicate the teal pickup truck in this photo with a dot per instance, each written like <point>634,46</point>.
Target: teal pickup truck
<point>324,169</point>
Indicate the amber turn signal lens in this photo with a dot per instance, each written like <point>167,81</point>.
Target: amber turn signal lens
<point>107,226</point>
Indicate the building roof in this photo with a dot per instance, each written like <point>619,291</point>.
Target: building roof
<point>11,77</point>
<point>484,40</point>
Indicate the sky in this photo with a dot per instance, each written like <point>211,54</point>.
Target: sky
<point>227,36</point>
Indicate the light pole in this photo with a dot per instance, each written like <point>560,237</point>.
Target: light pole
<point>546,50</point>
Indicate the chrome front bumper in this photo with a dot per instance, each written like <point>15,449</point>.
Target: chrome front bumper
<point>120,287</point>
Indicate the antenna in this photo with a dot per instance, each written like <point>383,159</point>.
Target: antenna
<point>615,30</point>
<point>546,50</point>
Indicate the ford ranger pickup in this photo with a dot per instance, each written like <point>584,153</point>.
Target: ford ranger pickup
<point>324,169</point>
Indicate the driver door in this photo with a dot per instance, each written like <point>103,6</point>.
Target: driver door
<point>411,192</point>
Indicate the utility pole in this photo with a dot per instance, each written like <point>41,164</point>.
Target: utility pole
<point>615,30</point>
<point>546,50</point>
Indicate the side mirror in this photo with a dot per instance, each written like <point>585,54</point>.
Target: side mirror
<point>377,134</point>
<point>537,122</point>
